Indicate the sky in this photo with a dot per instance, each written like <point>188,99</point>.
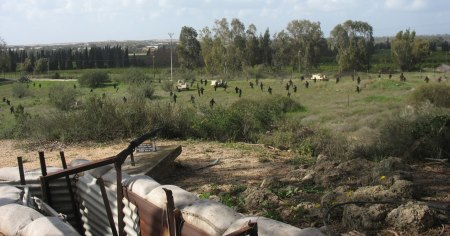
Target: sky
<point>28,22</point>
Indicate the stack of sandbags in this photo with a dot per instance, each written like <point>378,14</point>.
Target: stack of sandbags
<point>16,219</point>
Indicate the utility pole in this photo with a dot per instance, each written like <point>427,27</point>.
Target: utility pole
<point>171,65</point>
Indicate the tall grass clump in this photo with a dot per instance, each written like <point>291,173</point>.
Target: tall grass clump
<point>62,97</point>
<point>243,120</point>
<point>21,90</point>
<point>307,141</point>
<point>437,94</point>
<point>417,133</point>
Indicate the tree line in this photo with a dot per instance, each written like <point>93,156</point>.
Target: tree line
<point>230,47</point>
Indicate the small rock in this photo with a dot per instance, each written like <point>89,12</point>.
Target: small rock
<point>365,218</point>
<point>404,189</point>
<point>373,193</point>
<point>412,216</point>
<point>322,158</point>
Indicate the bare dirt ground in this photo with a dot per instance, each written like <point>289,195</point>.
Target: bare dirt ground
<point>239,164</point>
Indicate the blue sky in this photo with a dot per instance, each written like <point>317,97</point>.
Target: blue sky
<point>61,21</point>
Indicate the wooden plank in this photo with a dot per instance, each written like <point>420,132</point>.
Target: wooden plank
<point>21,171</point>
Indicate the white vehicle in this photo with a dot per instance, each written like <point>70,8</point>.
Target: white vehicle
<point>319,77</point>
<point>182,85</point>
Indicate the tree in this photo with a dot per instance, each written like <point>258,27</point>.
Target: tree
<point>4,58</point>
<point>27,66</point>
<point>188,48</point>
<point>305,37</point>
<point>266,50</point>
<point>252,46</point>
<point>281,49</point>
<point>408,51</point>
<point>353,41</point>
<point>41,65</point>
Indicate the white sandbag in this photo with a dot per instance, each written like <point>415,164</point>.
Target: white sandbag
<point>269,227</point>
<point>9,174</point>
<point>77,162</point>
<point>99,171</point>
<point>141,184</point>
<point>14,217</point>
<point>110,177</point>
<point>49,226</point>
<point>210,216</point>
<point>9,194</point>
<point>181,197</point>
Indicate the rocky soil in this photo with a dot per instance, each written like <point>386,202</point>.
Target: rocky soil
<point>350,197</point>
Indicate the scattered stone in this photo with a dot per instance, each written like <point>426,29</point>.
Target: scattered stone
<point>365,218</point>
<point>322,158</point>
<point>412,217</point>
<point>257,197</point>
<point>404,189</point>
<point>373,193</point>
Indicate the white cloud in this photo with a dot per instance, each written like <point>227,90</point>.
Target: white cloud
<point>408,5</point>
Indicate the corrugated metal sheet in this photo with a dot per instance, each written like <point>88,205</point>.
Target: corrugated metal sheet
<point>94,217</point>
<point>60,194</point>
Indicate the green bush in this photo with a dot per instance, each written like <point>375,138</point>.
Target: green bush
<point>93,79</point>
<point>244,119</point>
<point>167,85</point>
<point>437,94</point>
<point>422,133</point>
<point>21,90</point>
<point>134,76</point>
<point>62,97</point>
<point>141,91</point>
<point>55,75</point>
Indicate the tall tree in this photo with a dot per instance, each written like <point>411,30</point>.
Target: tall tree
<point>188,49</point>
<point>252,46</point>
<point>305,39</point>
<point>353,41</point>
<point>266,50</point>
<point>4,57</point>
<point>407,50</point>
<point>281,49</point>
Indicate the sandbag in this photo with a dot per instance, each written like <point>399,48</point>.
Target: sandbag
<point>141,184</point>
<point>269,227</point>
<point>181,197</point>
<point>14,217</point>
<point>210,216</point>
<point>49,226</point>
<point>9,174</point>
<point>77,162</point>
<point>9,194</point>
<point>110,177</point>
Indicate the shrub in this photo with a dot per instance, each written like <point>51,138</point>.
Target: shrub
<point>21,90</point>
<point>134,76</point>
<point>436,94</point>
<point>24,78</point>
<point>167,85</point>
<point>141,91</point>
<point>421,133</point>
<point>243,120</point>
<point>62,97</point>
<point>55,75</point>
<point>93,79</point>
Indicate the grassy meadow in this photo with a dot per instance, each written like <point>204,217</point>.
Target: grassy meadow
<point>326,105</point>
